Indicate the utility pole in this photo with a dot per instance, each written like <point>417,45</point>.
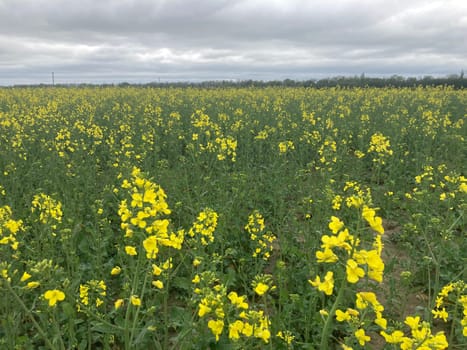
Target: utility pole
<point>53,79</point>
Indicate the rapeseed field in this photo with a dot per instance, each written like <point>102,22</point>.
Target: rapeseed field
<point>233,218</point>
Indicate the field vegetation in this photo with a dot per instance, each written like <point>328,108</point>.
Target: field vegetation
<point>233,218</point>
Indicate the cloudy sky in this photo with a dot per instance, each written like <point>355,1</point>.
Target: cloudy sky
<point>191,40</point>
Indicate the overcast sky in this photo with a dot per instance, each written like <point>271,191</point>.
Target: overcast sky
<point>190,40</point>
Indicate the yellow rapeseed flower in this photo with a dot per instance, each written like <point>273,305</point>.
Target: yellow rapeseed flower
<point>361,336</point>
<point>235,330</point>
<point>393,338</point>
<point>53,296</point>
<point>130,250</point>
<point>203,309</point>
<point>412,322</point>
<point>286,336</point>
<point>342,316</point>
<point>238,301</point>
<point>32,285</point>
<point>327,255</point>
<point>440,314</point>
<point>156,270</point>
<point>327,285</point>
<point>150,245</point>
<point>261,288</point>
<point>25,277</point>
<point>196,279</point>
<point>116,271</point>
<point>135,301</point>
<point>216,327</point>
<point>118,303</point>
<point>375,222</point>
<point>158,284</point>
<point>336,224</point>
<point>353,271</point>
<point>380,321</point>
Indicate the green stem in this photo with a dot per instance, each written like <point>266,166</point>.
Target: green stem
<point>135,319</point>
<point>429,286</point>
<point>309,317</point>
<point>263,298</point>
<point>129,306</point>
<point>166,312</point>
<point>437,271</point>
<point>166,300</point>
<point>327,325</point>
<point>89,334</point>
<point>57,330</point>
<point>90,313</point>
<point>454,319</point>
<point>30,315</point>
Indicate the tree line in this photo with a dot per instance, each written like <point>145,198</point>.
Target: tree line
<point>457,81</point>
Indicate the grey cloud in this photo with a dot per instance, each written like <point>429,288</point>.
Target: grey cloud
<point>229,39</point>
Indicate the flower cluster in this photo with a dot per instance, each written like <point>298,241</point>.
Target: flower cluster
<point>204,226</point>
<point>342,240</point>
<point>452,296</point>
<point>50,210</point>
<point>233,310</point>
<point>286,336</point>
<point>251,324</point>
<point>143,214</point>
<point>367,299</point>
<point>248,323</point>
<point>262,241</point>
<point>421,333</point>
<point>158,272</point>
<point>375,222</point>
<point>356,196</point>
<point>64,143</point>
<point>351,251</point>
<point>434,179</point>
<point>285,146</point>
<point>263,283</point>
<point>147,231</point>
<point>226,148</point>
<point>210,137</point>
<point>327,153</point>
<point>26,276</point>
<point>94,290</point>
<point>212,298</point>
<point>9,228</point>
<point>380,145</point>
<point>421,336</point>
